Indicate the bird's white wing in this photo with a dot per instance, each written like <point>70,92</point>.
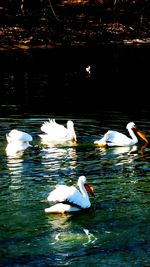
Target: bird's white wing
<point>68,194</point>
<point>24,136</point>
<point>16,135</point>
<point>51,127</point>
<point>116,138</point>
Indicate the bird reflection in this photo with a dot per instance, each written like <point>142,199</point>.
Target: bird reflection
<point>91,237</point>
<point>55,158</point>
<point>134,150</point>
<point>15,165</point>
<point>118,150</point>
<point>119,155</point>
<point>53,143</point>
<point>143,148</point>
<point>59,222</point>
<point>124,150</point>
<point>14,155</point>
<point>17,141</point>
<point>60,225</point>
<point>122,155</point>
<point>62,230</point>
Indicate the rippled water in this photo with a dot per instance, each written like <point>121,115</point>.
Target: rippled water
<point>114,232</point>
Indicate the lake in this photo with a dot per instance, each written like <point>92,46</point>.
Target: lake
<point>38,85</point>
<point>113,232</point>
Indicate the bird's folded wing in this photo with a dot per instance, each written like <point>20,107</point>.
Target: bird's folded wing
<point>52,127</point>
<point>63,193</point>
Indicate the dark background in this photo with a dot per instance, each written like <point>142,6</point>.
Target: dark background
<point>46,47</point>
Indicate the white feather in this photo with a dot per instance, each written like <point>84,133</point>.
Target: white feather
<point>57,132</point>
<point>114,138</point>
<point>66,197</point>
<point>17,141</point>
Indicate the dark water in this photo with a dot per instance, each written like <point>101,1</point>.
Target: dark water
<point>56,81</point>
<point>114,232</point>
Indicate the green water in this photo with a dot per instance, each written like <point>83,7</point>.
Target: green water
<point>113,232</point>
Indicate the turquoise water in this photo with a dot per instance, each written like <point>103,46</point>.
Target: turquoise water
<point>113,232</point>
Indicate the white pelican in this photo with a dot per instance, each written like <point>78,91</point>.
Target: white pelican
<point>88,70</point>
<point>17,141</point>
<point>55,132</point>
<point>69,198</point>
<point>114,138</point>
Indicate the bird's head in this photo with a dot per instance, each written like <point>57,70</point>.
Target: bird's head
<point>89,189</point>
<point>131,125</point>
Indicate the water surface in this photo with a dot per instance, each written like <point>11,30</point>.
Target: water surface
<point>114,232</point>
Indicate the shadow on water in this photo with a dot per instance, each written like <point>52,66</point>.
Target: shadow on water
<point>49,81</point>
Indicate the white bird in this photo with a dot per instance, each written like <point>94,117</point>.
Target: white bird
<point>88,70</point>
<point>114,138</point>
<point>69,198</point>
<point>17,141</point>
<point>55,132</point>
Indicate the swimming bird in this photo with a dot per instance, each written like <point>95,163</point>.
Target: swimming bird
<point>69,198</point>
<point>88,69</point>
<point>55,132</point>
<point>114,138</point>
<point>17,141</point>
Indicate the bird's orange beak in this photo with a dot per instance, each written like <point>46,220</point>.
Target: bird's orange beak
<point>142,135</point>
<point>89,189</point>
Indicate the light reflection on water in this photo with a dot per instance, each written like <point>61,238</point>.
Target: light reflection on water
<point>114,232</point>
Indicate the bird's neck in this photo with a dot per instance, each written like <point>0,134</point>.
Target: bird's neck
<point>83,191</point>
<point>133,136</point>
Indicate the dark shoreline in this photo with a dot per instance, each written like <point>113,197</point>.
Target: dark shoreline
<point>44,55</point>
<point>74,26</point>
